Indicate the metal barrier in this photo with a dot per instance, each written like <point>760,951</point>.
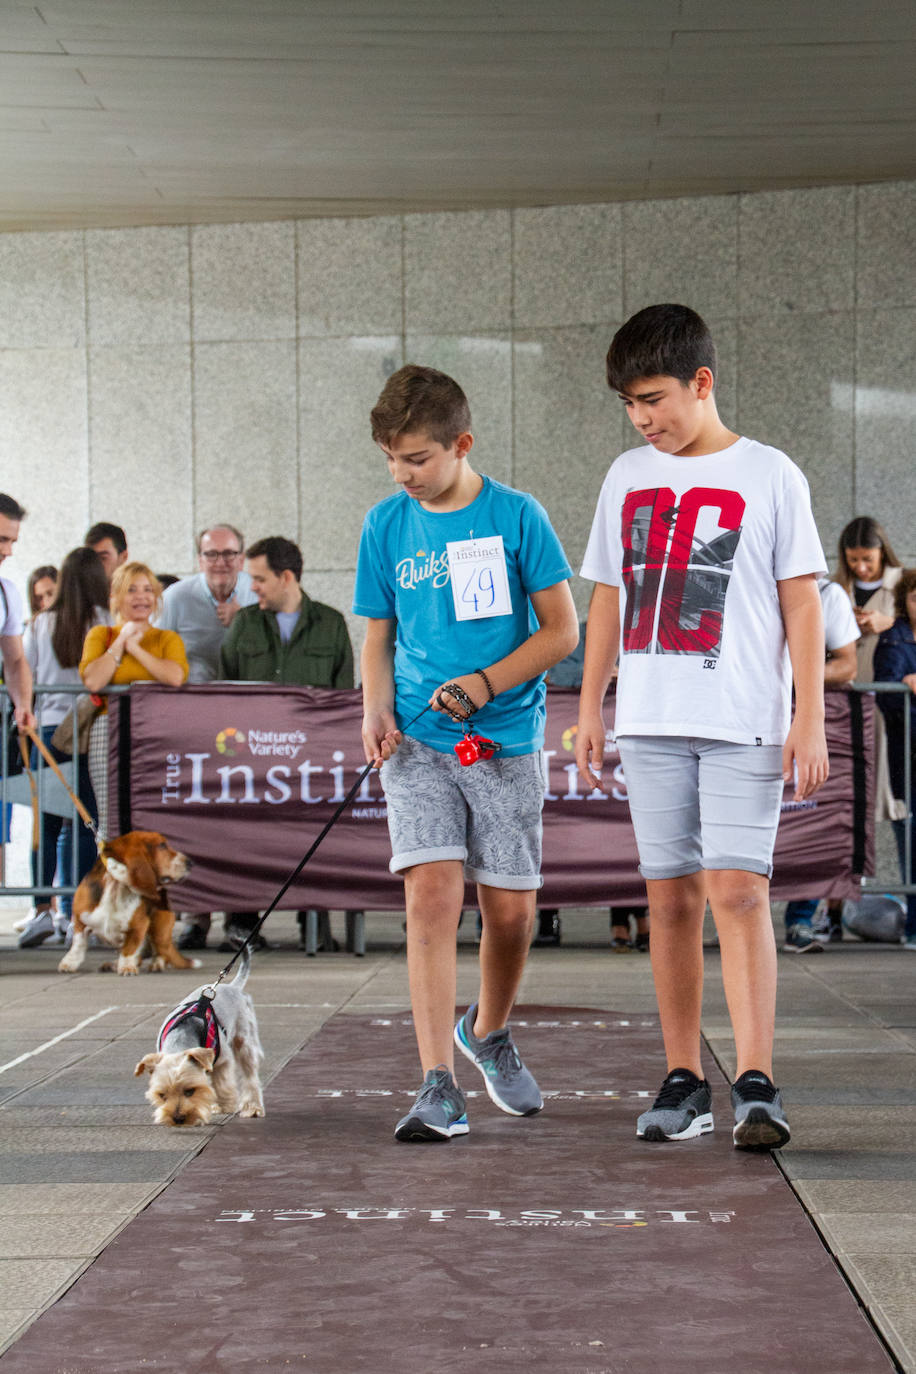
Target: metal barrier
<point>878,883</point>
<point>53,798</point>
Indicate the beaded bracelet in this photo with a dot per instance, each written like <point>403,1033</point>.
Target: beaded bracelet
<point>487,683</point>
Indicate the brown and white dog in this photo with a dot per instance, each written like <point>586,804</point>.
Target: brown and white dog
<point>123,901</point>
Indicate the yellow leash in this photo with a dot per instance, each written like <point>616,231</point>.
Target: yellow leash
<point>33,787</point>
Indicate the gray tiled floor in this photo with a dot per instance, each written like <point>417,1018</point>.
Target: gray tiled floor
<point>79,1157</point>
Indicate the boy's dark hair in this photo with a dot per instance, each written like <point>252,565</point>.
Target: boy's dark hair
<point>902,590</point>
<point>82,589</point>
<point>864,532</point>
<point>421,400</point>
<point>103,530</point>
<point>282,555</point>
<point>11,508</point>
<point>660,341</point>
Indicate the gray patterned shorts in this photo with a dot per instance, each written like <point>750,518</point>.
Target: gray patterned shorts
<point>487,815</point>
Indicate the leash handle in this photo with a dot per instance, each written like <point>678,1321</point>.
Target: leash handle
<point>305,858</point>
<point>52,764</point>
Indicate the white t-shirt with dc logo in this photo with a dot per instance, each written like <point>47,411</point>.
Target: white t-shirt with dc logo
<point>696,546</point>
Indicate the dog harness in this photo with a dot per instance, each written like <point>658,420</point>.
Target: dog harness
<point>201,1010</point>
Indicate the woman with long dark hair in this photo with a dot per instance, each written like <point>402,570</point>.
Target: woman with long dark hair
<point>869,570</point>
<point>53,643</point>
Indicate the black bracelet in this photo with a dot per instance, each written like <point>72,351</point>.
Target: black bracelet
<point>487,683</point>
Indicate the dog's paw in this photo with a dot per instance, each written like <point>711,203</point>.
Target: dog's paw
<point>252,1109</point>
<point>127,967</point>
<point>68,965</point>
<point>157,965</point>
<point>196,963</point>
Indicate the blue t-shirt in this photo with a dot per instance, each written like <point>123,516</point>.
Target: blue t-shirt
<point>402,574</point>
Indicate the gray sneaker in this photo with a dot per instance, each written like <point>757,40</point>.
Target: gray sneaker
<point>682,1110</point>
<point>39,927</point>
<point>438,1112</point>
<point>510,1085</point>
<point>760,1122</point>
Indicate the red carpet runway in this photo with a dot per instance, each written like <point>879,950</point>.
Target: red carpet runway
<point>312,1240</point>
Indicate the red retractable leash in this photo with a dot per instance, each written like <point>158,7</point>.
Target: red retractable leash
<point>470,748</point>
<point>474,748</point>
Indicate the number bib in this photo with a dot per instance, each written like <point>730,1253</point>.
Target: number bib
<point>480,583</point>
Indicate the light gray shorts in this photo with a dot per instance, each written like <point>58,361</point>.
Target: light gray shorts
<point>702,803</point>
<point>488,815</point>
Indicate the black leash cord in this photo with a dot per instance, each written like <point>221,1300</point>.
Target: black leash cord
<point>304,860</point>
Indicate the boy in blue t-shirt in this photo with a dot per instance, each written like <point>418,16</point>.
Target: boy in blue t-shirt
<point>466,589</point>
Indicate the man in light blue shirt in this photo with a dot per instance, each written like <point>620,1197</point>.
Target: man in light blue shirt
<point>202,607</point>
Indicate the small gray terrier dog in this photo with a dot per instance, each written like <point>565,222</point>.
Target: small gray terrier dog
<point>207,1057</point>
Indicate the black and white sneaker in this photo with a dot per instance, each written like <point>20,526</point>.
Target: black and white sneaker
<point>682,1110</point>
<point>760,1122</point>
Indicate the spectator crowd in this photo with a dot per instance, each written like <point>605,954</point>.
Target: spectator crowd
<point>105,619</point>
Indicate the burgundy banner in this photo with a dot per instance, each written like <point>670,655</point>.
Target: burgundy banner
<point>242,778</point>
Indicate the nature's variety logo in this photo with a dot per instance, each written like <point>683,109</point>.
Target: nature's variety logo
<point>230,740</point>
<point>569,738</point>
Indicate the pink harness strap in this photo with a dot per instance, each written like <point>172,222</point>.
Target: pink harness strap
<point>201,1010</point>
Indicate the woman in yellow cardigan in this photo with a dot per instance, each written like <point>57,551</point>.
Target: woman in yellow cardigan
<point>132,650</point>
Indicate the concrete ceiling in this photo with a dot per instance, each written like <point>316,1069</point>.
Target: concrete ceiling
<point>125,112</point>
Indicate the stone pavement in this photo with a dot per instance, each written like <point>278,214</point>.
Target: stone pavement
<point>79,1157</point>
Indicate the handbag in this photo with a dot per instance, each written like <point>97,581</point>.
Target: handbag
<point>86,709</point>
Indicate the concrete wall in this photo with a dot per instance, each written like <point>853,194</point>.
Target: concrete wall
<point>166,377</point>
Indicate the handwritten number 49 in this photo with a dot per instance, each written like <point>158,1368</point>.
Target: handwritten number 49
<point>480,589</point>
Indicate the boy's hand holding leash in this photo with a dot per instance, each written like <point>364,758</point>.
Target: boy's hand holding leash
<point>381,736</point>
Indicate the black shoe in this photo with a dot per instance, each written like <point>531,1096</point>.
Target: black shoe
<point>760,1122</point>
<point>682,1110</point>
<point>192,938</point>
<point>549,931</point>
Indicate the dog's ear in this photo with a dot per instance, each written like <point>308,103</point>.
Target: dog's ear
<point>143,876</point>
<point>203,1059</point>
<point>147,1064</point>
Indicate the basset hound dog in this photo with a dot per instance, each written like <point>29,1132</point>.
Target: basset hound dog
<point>123,901</point>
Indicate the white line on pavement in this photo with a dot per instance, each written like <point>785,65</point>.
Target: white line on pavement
<point>63,1036</point>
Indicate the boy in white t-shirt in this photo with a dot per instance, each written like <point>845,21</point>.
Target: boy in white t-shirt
<point>705,558</point>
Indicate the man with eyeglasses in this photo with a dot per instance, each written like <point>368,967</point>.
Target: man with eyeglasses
<point>202,607</point>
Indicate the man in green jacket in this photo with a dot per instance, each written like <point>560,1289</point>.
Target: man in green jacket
<point>287,637</point>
